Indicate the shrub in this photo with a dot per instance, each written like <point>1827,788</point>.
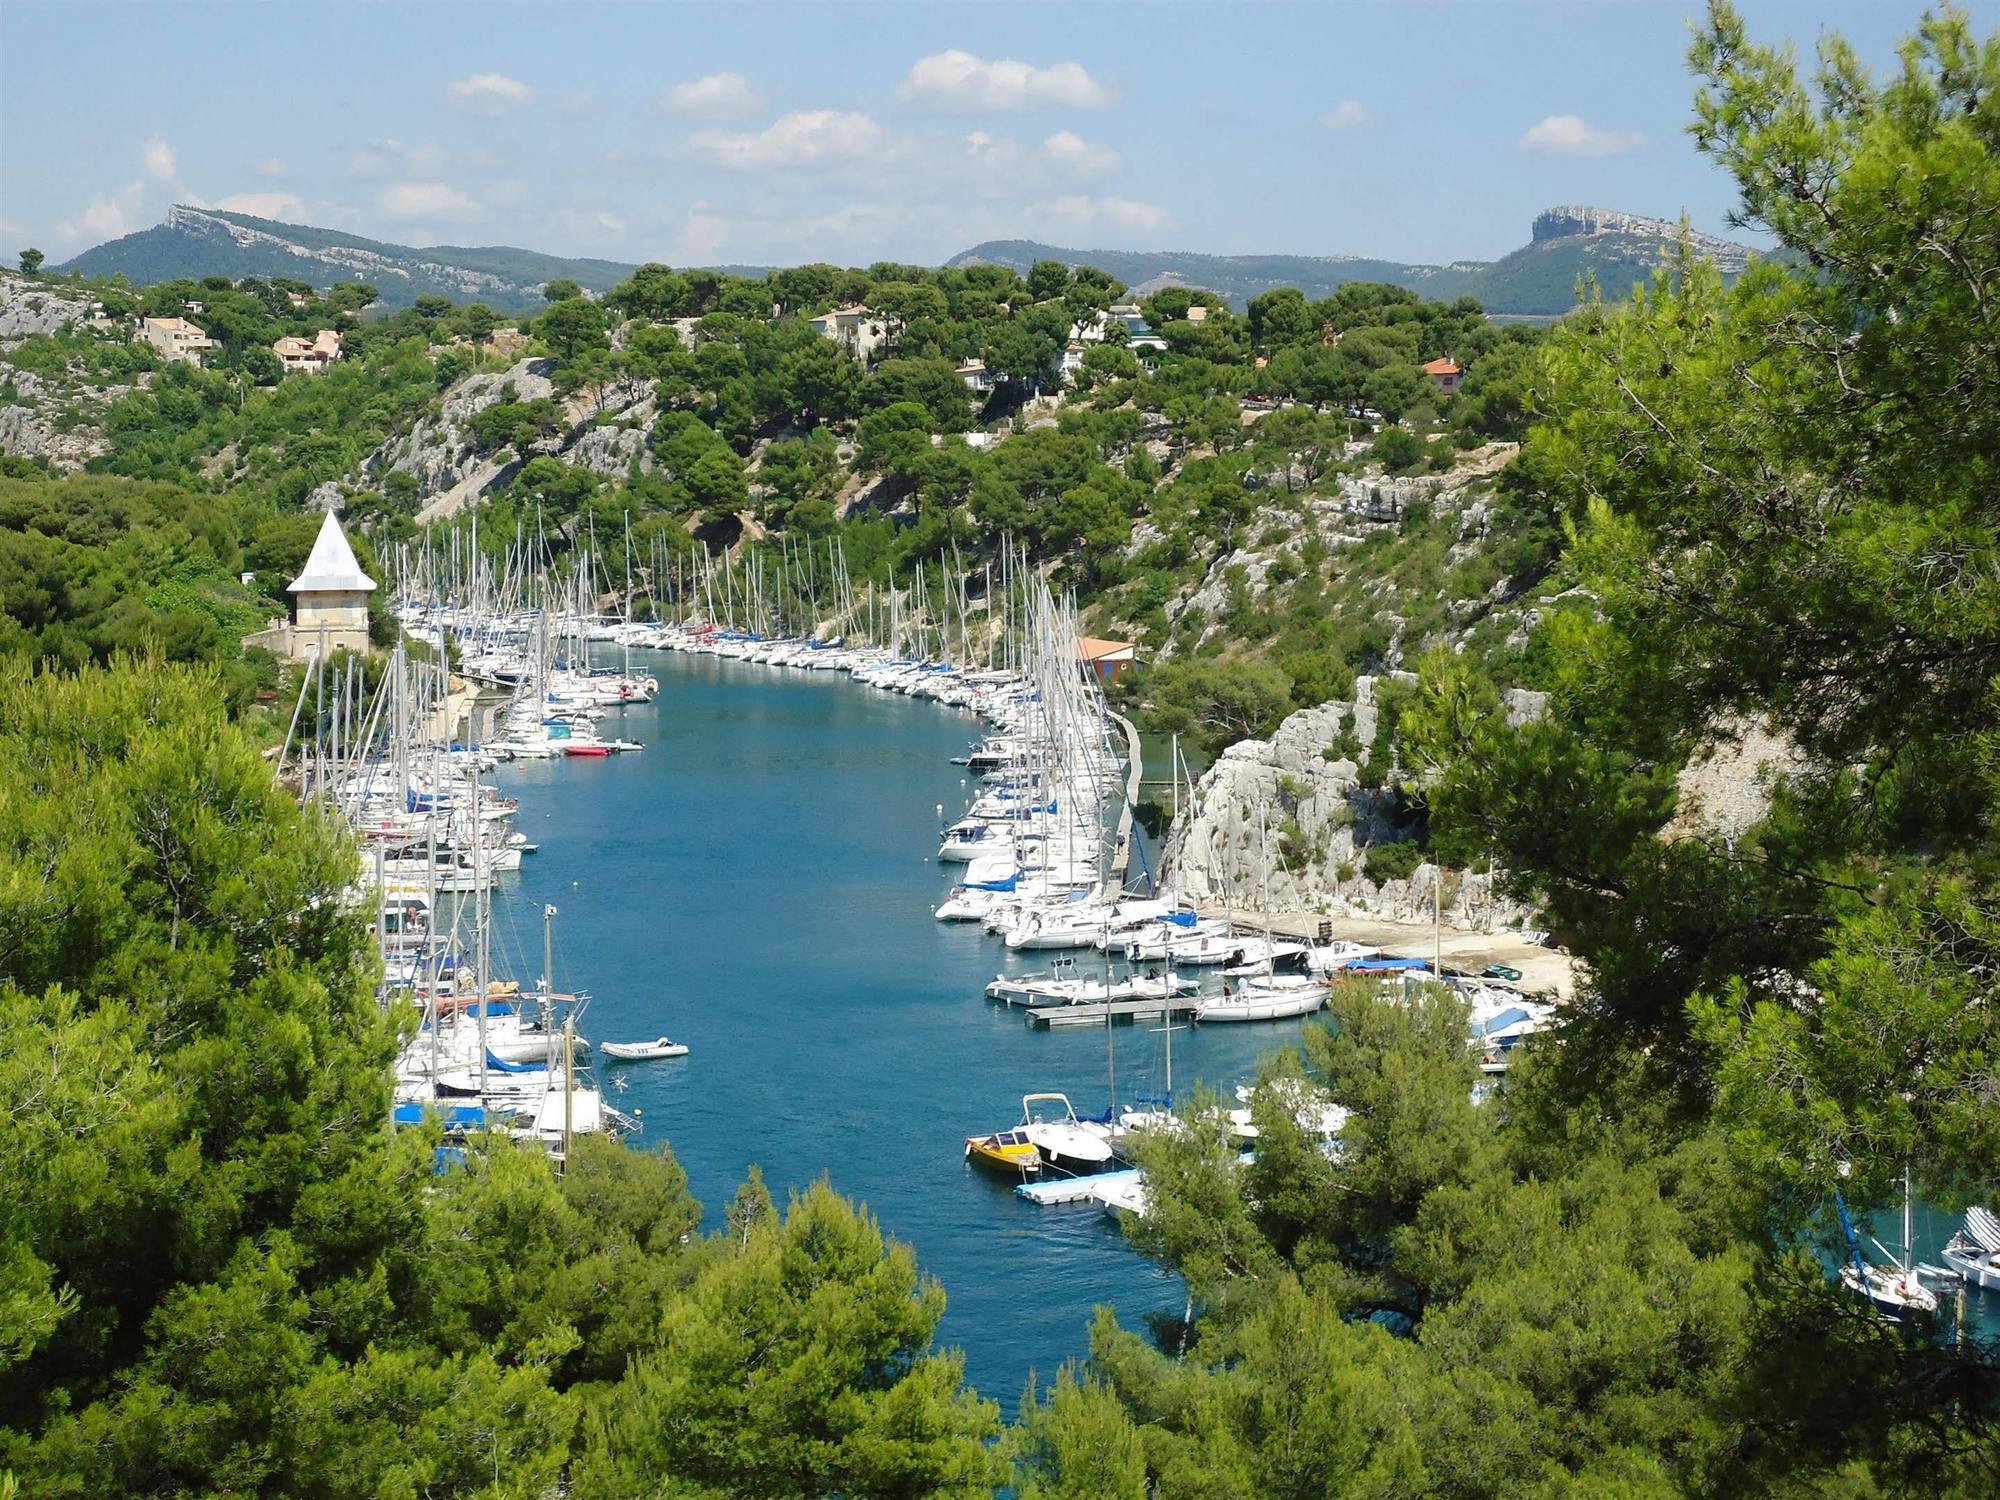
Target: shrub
<point>1395,861</point>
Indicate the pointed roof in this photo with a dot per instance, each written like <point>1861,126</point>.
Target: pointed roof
<point>331,568</point>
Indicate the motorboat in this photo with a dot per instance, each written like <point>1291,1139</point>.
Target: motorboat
<point>642,1051</point>
<point>1063,1140</point>
<point>1004,1151</point>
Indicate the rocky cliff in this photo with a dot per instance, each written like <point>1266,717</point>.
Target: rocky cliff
<point>1575,221</point>
<point>604,430</point>
<point>46,414</point>
<point>1292,813</point>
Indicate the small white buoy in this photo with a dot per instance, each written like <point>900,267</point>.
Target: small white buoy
<point>940,809</point>
<point>576,882</point>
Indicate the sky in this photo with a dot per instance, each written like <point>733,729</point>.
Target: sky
<point>769,133</point>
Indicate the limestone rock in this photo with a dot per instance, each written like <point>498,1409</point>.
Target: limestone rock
<point>37,421</point>
<point>30,308</point>
<point>1727,789</point>
<point>1293,805</point>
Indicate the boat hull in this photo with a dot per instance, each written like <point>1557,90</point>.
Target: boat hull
<point>1007,1152</point>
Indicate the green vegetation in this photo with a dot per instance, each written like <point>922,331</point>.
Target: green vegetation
<point>219,1271</point>
<point>1768,505</point>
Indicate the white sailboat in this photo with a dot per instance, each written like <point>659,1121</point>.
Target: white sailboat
<point>1895,1288</point>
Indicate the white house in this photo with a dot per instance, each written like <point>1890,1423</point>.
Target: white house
<point>175,338</point>
<point>1138,332</point>
<point>330,597</point>
<point>976,376</point>
<point>861,329</point>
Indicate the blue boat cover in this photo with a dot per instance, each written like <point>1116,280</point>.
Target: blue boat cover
<point>506,1067</point>
<point>1181,918</point>
<point>413,1113</point>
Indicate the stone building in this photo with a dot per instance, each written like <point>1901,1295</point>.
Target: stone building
<point>330,597</point>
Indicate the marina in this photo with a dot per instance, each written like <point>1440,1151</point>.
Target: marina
<point>757,908</point>
<point>752,899</point>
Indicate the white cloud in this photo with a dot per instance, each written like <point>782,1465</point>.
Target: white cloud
<point>962,82</point>
<point>269,166</point>
<point>1071,153</point>
<point>389,157</point>
<point>1349,114</point>
<point>587,221</point>
<point>1572,135</point>
<point>421,200</point>
<point>717,95</point>
<point>106,217</point>
<point>580,103</point>
<point>1076,211</point>
<point>489,93</point>
<point>159,159</point>
<point>810,138</point>
<point>283,206</point>
<point>701,238</point>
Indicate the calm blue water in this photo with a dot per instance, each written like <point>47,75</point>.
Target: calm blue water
<point>757,884</point>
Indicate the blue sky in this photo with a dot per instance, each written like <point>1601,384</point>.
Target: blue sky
<point>777,133</point>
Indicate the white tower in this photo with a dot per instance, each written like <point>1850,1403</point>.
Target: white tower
<point>331,596</point>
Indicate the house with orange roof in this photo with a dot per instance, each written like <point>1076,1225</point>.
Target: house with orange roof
<point>1445,374</point>
<point>1106,659</point>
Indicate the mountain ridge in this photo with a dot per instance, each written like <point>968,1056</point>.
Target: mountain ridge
<point>1536,280</point>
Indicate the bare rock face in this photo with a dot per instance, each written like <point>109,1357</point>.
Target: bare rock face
<point>1290,814</point>
<point>1356,507</point>
<point>603,430</point>
<point>438,452</point>
<point>30,308</point>
<point>45,416</point>
<point>31,425</point>
<point>1727,789</point>
<point>610,450</point>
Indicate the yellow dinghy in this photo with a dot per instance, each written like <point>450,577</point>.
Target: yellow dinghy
<point>1004,1151</point>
